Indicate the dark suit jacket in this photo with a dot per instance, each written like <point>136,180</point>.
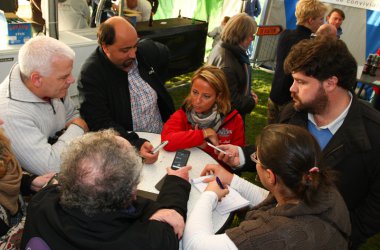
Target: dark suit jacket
<point>226,57</point>
<point>280,93</point>
<point>104,89</point>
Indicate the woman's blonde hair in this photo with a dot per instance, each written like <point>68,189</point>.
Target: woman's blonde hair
<point>7,158</point>
<point>238,28</point>
<point>216,79</point>
<point>306,9</point>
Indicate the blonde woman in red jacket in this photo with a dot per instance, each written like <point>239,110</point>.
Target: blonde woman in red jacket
<point>205,115</point>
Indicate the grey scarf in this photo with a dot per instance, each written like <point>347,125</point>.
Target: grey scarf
<point>212,119</point>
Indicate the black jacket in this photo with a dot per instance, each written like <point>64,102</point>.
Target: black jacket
<point>227,58</point>
<point>354,152</point>
<point>280,93</point>
<point>104,91</point>
<point>62,228</point>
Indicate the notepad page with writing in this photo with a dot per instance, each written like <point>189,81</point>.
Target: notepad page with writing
<point>233,200</point>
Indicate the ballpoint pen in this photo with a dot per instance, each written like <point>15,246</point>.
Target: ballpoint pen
<point>219,183</point>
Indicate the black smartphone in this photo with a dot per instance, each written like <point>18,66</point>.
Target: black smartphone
<point>159,184</point>
<point>180,159</point>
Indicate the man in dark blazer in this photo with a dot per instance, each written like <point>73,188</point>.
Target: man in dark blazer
<point>121,85</point>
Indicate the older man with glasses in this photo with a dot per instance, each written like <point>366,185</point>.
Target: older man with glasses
<point>122,85</point>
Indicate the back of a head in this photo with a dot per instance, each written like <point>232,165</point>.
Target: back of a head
<point>216,78</point>
<point>306,9</point>
<point>322,58</point>
<point>238,28</point>
<point>8,163</point>
<point>131,4</point>
<point>10,177</point>
<point>226,19</point>
<point>37,55</point>
<point>327,30</point>
<point>291,152</point>
<point>99,173</point>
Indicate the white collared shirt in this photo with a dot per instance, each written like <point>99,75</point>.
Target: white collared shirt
<point>334,125</point>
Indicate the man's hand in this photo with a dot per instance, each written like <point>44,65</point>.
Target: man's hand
<point>146,153</point>
<point>182,172</point>
<point>217,170</point>
<point>41,181</point>
<point>173,218</point>
<point>232,157</point>
<point>79,122</point>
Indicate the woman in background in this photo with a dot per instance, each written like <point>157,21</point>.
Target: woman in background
<point>303,209</point>
<point>205,116</point>
<point>215,33</point>
<point>230,54</point>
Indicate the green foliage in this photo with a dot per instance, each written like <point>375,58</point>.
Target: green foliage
<point>257,120</point>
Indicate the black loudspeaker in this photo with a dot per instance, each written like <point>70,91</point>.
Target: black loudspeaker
<point>185,38</point>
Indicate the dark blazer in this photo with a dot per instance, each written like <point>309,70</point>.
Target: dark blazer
<point>104,91</point>
<point>227,58</point>
<point>280,93</point>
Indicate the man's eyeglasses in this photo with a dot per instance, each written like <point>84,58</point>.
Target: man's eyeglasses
<point>256,160</point>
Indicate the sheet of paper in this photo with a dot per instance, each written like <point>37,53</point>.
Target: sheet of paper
<point>233,200</point>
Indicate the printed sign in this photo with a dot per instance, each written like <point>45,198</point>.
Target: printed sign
<point>7,59</point>
<point>268,30</point>
<point>363,4</point>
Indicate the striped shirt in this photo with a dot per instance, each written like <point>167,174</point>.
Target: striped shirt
<point>146,116</point>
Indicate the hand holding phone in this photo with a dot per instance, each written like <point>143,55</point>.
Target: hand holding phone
<point>159,147</point>
<point>180,159</point>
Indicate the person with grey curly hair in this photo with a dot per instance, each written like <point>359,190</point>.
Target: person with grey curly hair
<point>85,188</point>
<point>95,205</point>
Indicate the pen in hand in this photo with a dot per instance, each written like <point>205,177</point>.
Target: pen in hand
<point>54,177</point>
<point>219,182</point>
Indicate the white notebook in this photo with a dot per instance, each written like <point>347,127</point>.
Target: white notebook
<point>233,200</point>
